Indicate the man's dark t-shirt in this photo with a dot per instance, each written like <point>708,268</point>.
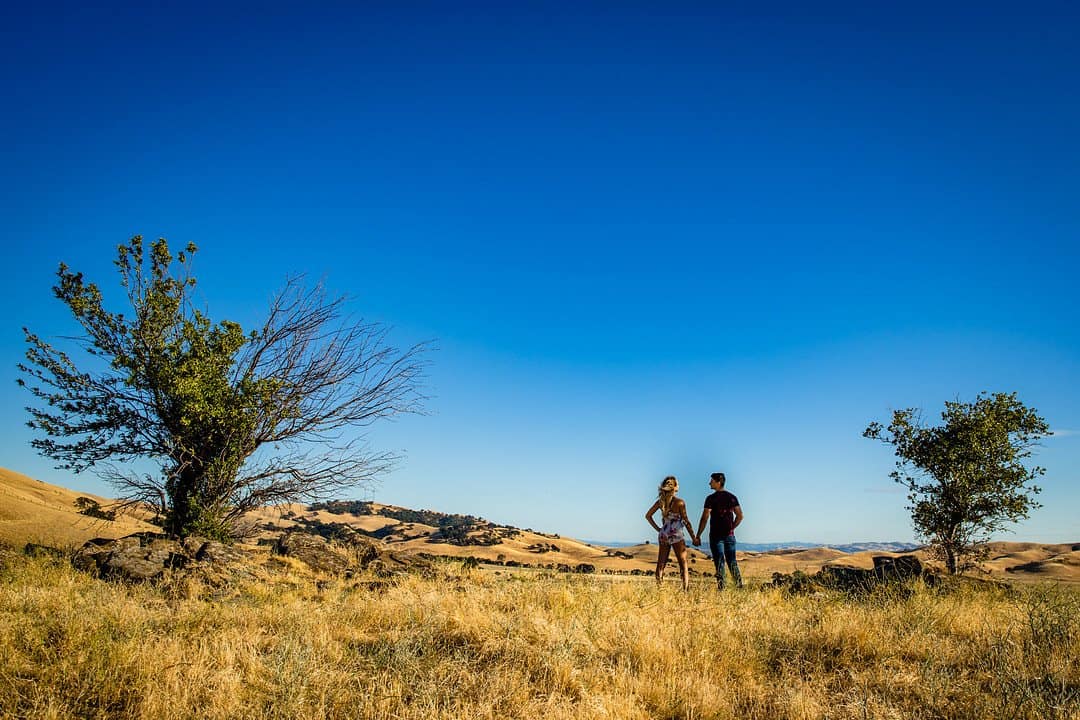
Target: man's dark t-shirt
<point>721,505</point>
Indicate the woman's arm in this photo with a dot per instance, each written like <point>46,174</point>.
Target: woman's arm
<point>686,523</point>
<point>650,512</point>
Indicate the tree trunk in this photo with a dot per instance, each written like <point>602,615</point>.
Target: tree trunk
<point>189,513</point>
<point>950,559</point>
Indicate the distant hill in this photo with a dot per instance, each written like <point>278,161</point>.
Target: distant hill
<point>34,511</point>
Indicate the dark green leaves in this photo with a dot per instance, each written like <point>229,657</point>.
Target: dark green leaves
<point>200,398</point>
<point>966,477</point>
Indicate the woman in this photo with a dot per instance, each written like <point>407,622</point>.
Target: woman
<point>673,516</point>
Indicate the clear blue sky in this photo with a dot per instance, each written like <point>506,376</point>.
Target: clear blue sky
<point>649,238</point>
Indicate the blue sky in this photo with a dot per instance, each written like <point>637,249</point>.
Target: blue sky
<point>647,240</point>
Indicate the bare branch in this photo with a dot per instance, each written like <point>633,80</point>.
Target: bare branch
<point>201,399</point>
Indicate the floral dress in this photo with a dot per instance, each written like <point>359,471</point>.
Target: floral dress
<point>671,532</point>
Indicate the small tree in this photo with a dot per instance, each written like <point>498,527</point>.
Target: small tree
<point>966,477</point>
<point>202,399</point>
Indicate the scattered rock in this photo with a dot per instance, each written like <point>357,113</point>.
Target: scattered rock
<point>148,556</point>
<point>888,571</point>
<point>139,557</point>
<point>360,553</point>
<point>903,567</point>
<point>220,553</point>
<point>313,550</point>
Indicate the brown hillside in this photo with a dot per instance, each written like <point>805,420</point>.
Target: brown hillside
<point>33,511</point>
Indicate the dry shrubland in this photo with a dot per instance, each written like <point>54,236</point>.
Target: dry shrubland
<point>474,644</point>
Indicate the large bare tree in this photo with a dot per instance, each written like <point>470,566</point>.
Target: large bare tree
<point>234,419</point>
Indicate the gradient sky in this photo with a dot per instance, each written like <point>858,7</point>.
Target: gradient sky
<point>648,238</point>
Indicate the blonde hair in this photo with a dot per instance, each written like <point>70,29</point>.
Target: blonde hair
<point>666,493</point>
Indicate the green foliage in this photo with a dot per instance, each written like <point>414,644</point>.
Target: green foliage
<point>345,507</point>
<point>199,398</point>
<point>453,529</point>
<point>405,515</point>
<point>966,477</point>
<point>92,508</point>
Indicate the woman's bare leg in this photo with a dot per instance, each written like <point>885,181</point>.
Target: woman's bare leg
<point>661,562</point>
<point>684,570</point>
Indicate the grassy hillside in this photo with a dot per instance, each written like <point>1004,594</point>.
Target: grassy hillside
<point>291,644</point>
<point>33,511</point>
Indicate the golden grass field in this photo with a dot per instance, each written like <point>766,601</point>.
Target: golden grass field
<point>290,644</point>
<point>282,641</point>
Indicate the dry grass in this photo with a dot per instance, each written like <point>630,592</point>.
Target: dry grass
<point>475,645</point>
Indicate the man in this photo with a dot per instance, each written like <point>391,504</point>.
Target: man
<point>723,514</point>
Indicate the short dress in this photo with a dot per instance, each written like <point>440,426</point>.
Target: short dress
<point>671,532</point>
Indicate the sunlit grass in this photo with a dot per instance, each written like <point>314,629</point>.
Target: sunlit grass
<point>478,645</point>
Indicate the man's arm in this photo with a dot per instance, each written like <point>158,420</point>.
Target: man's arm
<point>701,524</point>
<point>738,516</point>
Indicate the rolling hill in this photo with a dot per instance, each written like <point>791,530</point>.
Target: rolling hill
<point>37,512</point>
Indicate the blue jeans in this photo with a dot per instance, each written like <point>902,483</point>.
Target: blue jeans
<point>726,555</point>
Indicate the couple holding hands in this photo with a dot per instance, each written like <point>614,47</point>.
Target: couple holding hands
<point>723,514</point>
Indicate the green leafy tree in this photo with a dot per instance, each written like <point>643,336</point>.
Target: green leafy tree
<point>234,420</point>
<point>966,477</point>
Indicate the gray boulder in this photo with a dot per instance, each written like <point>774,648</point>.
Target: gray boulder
<point>139,557</point>
<point>358,552</point>
<point>888,571</point>
<point>901,568</point>
<point>313,550</point>
<point>147,556</point>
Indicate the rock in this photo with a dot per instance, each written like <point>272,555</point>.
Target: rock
<point>888,571</point>
<point>388,564</point>
<point>364,548</point>
<point>360,553</point>
<point>146,556</point>
<point>313,550</point>
<point>193,544</point>
<point>796,582</point>
<point>904,567</point>
<point>220,553</point>
<point>139,557</point>
<point>843,577</point>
